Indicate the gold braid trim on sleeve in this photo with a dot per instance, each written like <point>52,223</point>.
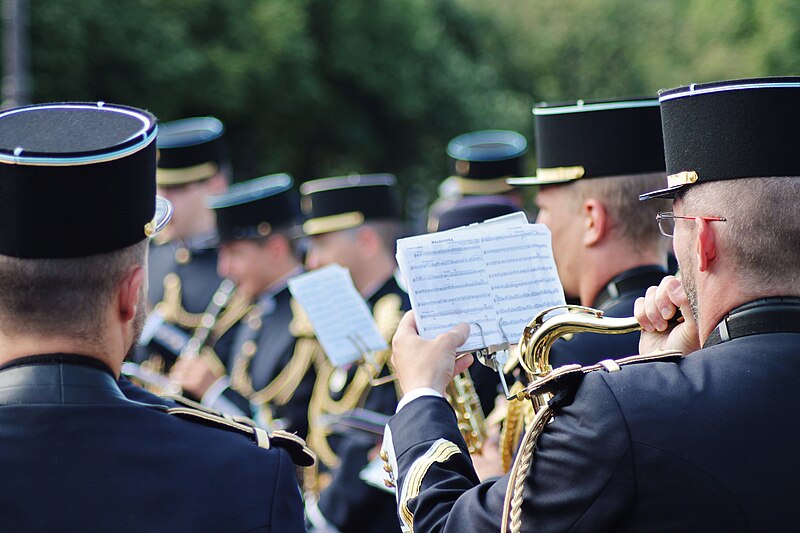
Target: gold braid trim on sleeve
<point>439,452</point>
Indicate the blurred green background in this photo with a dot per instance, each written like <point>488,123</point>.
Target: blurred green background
<point>325,87</point>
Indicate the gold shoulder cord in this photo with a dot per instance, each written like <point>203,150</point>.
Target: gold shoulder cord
<point>281,389</point>
<point>171,308</point>
<point>387,315</point>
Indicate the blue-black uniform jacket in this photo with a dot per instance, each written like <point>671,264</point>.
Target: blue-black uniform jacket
<point>348,503</point>
<point>707,443</point>
<point>616,299</point>
<point>77,455</point>
<point>275,349</point>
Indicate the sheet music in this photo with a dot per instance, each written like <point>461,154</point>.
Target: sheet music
<point>340,316</point>
<point>498,274</point>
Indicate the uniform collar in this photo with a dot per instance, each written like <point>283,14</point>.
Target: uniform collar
<point>780,314</point>
<point>633,280</point>
<point>58,378</point>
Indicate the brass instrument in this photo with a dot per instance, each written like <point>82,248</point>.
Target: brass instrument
<point>223,311</point>
<point>534,357</point>
<point>469,413</point>
<point>540,334</point>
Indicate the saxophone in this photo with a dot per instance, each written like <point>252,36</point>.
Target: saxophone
<point>534,357</point>
<point>469,413</point>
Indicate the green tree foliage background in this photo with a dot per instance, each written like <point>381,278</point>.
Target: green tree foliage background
<point>324,87</point>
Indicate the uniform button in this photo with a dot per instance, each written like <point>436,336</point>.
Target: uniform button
<point>388,483</point>
<point>384,455</point>
<point>183,256</point>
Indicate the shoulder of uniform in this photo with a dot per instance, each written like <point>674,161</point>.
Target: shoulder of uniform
<point>194,412</point>
<point>563,382</point>
<point>300,326</point>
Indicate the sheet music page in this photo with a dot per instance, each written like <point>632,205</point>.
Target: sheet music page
<point>448,283</point>
<point>340,316</point>
<point>498,274</point>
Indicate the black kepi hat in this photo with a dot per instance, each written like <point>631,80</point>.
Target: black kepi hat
<point>482,160</point>
<point>253,209</point>
<point>475,209</point>
<point>344,202</point>
<point>594,139</point>
<point>722,130</point>
<point>189,150</point>
<point>77,179</point>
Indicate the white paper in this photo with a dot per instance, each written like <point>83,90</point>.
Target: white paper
<point>340,316</point>
<point>495,276</point>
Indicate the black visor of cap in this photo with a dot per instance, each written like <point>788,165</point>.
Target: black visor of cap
<point>728,130</point>
<point>77,179</point>
<point>253,209</point>
<point>593,139</point>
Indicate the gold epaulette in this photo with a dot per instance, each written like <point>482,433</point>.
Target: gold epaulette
<point>565,376</point>
<point>295,446</point>
<point>300,326</point>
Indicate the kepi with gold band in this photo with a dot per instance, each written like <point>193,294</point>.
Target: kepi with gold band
<point>590,139</point>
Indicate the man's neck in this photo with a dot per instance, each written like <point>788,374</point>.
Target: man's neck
<point>598,269</point>
<point>373,279</point>
<point>17,346</point>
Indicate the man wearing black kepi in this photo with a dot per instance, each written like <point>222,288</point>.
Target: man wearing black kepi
<point>77,187</point>
<point>192,165</point>
<point>354,221</point>
<point>594,159</point>
<point>481,163</point>
<point>655,445</point>
<point>271,371</point>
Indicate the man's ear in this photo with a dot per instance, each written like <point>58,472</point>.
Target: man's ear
<point>705,245</point>
<point>129,293</point>
<point>595,221</point>
<point>369,241</point>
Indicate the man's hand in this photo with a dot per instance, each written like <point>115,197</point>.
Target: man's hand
<point>423,363</point>
<point>488,464</point>
<point>653,311</point>
<point>194,375</point>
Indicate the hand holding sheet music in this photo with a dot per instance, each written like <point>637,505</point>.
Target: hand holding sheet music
<point>495,275</point>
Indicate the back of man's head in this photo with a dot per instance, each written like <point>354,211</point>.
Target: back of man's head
<point>630,220</point>
<point>62,297</point>
<point>760,235</point>
<point>77,204</point>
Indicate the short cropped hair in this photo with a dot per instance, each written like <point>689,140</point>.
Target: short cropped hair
<point>388,232</point>
<point>761,233</point>
<point>631,219</point>
<point>62,296</point>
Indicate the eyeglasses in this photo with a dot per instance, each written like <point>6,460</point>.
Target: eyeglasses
<point>666,221</point>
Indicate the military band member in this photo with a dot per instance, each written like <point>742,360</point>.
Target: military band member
<point>192,165</point>
<point>655,445</point>
<point>78,204</point>
<point>354,221</point>
<point>271,371</point>
<point>594,159</point>
<point>481,162</point>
